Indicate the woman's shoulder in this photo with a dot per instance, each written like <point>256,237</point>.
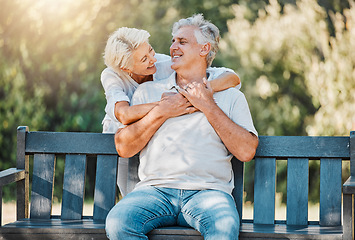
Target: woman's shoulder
<point>109,78</point>
<point>108,71</point>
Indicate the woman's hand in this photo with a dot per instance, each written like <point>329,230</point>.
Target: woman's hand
<point>175,104</point>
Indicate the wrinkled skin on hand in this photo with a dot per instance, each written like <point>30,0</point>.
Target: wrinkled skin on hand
<point>200,95</point>
<point>175,104</point>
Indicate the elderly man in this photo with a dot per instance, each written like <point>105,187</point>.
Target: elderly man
<point>185,170</point>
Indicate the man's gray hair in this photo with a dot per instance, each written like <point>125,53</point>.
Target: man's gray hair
<point>121,45</point>
<point>208,33</point>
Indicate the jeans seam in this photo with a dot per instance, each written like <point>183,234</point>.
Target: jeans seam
<point>199,223</point>
<point>156,217</point>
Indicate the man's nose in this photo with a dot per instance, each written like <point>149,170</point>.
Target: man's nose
<point>173,45</point>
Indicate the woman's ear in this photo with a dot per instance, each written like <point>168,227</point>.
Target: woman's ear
<point>125,69</point>
<point>205,49</point>
<point>129,72</point>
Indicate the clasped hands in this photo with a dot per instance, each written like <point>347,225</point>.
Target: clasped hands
<point>195,96</point>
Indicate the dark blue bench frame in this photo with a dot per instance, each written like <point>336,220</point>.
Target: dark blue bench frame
<point>297,150</point>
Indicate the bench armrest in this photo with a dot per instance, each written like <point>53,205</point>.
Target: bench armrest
<point>349,186</point>
<point>11,175</point>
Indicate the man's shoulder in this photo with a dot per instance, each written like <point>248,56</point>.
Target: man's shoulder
<point>230,96</point>
<point>144,86</point>
<point>150,86</point>
<point>230,92</point>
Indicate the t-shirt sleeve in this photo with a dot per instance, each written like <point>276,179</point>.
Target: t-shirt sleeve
<point>114,91</point>
<point>240,112</point>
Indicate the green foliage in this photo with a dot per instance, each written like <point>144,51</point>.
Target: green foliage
<point>294,68</point>
<point>299,76</point>
<point>17,107</point>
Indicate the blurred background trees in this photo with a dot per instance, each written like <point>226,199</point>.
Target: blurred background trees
<point>295,59</point>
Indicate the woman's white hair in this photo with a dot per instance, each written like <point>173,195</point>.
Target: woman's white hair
<point>207,33</point>
<point>121,45</point>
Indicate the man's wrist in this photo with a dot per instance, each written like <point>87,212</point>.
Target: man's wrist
<point>211,109</point>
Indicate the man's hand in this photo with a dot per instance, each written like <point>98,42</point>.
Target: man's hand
<point>175,104</point>
<point>200,95</point>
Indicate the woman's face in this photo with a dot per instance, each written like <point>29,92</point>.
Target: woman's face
<point>143,60</point>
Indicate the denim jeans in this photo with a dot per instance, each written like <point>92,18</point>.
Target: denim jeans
<point>211,212</point>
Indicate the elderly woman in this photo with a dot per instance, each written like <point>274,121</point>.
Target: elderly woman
<point>130,61</point>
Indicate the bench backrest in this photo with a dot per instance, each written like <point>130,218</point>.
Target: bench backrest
<point>76,147</point>
<point>298,150</point>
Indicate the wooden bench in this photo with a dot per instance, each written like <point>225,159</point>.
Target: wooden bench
<point>36,221</point>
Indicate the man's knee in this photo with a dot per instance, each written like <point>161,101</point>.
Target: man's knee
<point>115,223</point>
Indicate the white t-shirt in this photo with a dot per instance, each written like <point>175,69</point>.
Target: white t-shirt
<point>120,87</point>
<point>186,152</point>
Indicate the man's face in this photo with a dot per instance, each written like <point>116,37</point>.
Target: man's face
<point>185,49</point>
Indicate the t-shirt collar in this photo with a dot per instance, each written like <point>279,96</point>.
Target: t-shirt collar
<point>171,81</point>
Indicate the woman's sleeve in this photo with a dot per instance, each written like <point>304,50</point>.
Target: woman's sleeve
<point>217,71</point>
<point>163,66</point>
<point>114,91</point>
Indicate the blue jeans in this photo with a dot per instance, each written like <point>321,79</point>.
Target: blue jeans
<point>211,212</point>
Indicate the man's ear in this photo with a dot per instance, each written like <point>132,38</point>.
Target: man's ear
<point>205,49</point>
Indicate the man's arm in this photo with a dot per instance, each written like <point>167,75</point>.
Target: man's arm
<point>240,142</point>
<point>134,137</point>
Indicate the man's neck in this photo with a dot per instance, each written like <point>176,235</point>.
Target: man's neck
<point>194,75</point>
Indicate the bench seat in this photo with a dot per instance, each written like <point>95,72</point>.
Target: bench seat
<point>91,229</point>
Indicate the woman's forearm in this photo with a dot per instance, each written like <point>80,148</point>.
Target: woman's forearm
<point>133,138</point>
<point>129,114</point>
<point>224,81</point>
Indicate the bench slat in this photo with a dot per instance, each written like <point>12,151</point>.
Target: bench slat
<point>297,191</point>
<point>312,147</point>
<point>264,190</point>
<point>42,186</point>
<point>330,192</point>
<point>352,153</point>
<point>73,186</point>
<point>133,179</point>
<point>105,185</point>
<point>238,171</point>
<point>70,142</point>
<point>269,146</point>
<point>23,186</point>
